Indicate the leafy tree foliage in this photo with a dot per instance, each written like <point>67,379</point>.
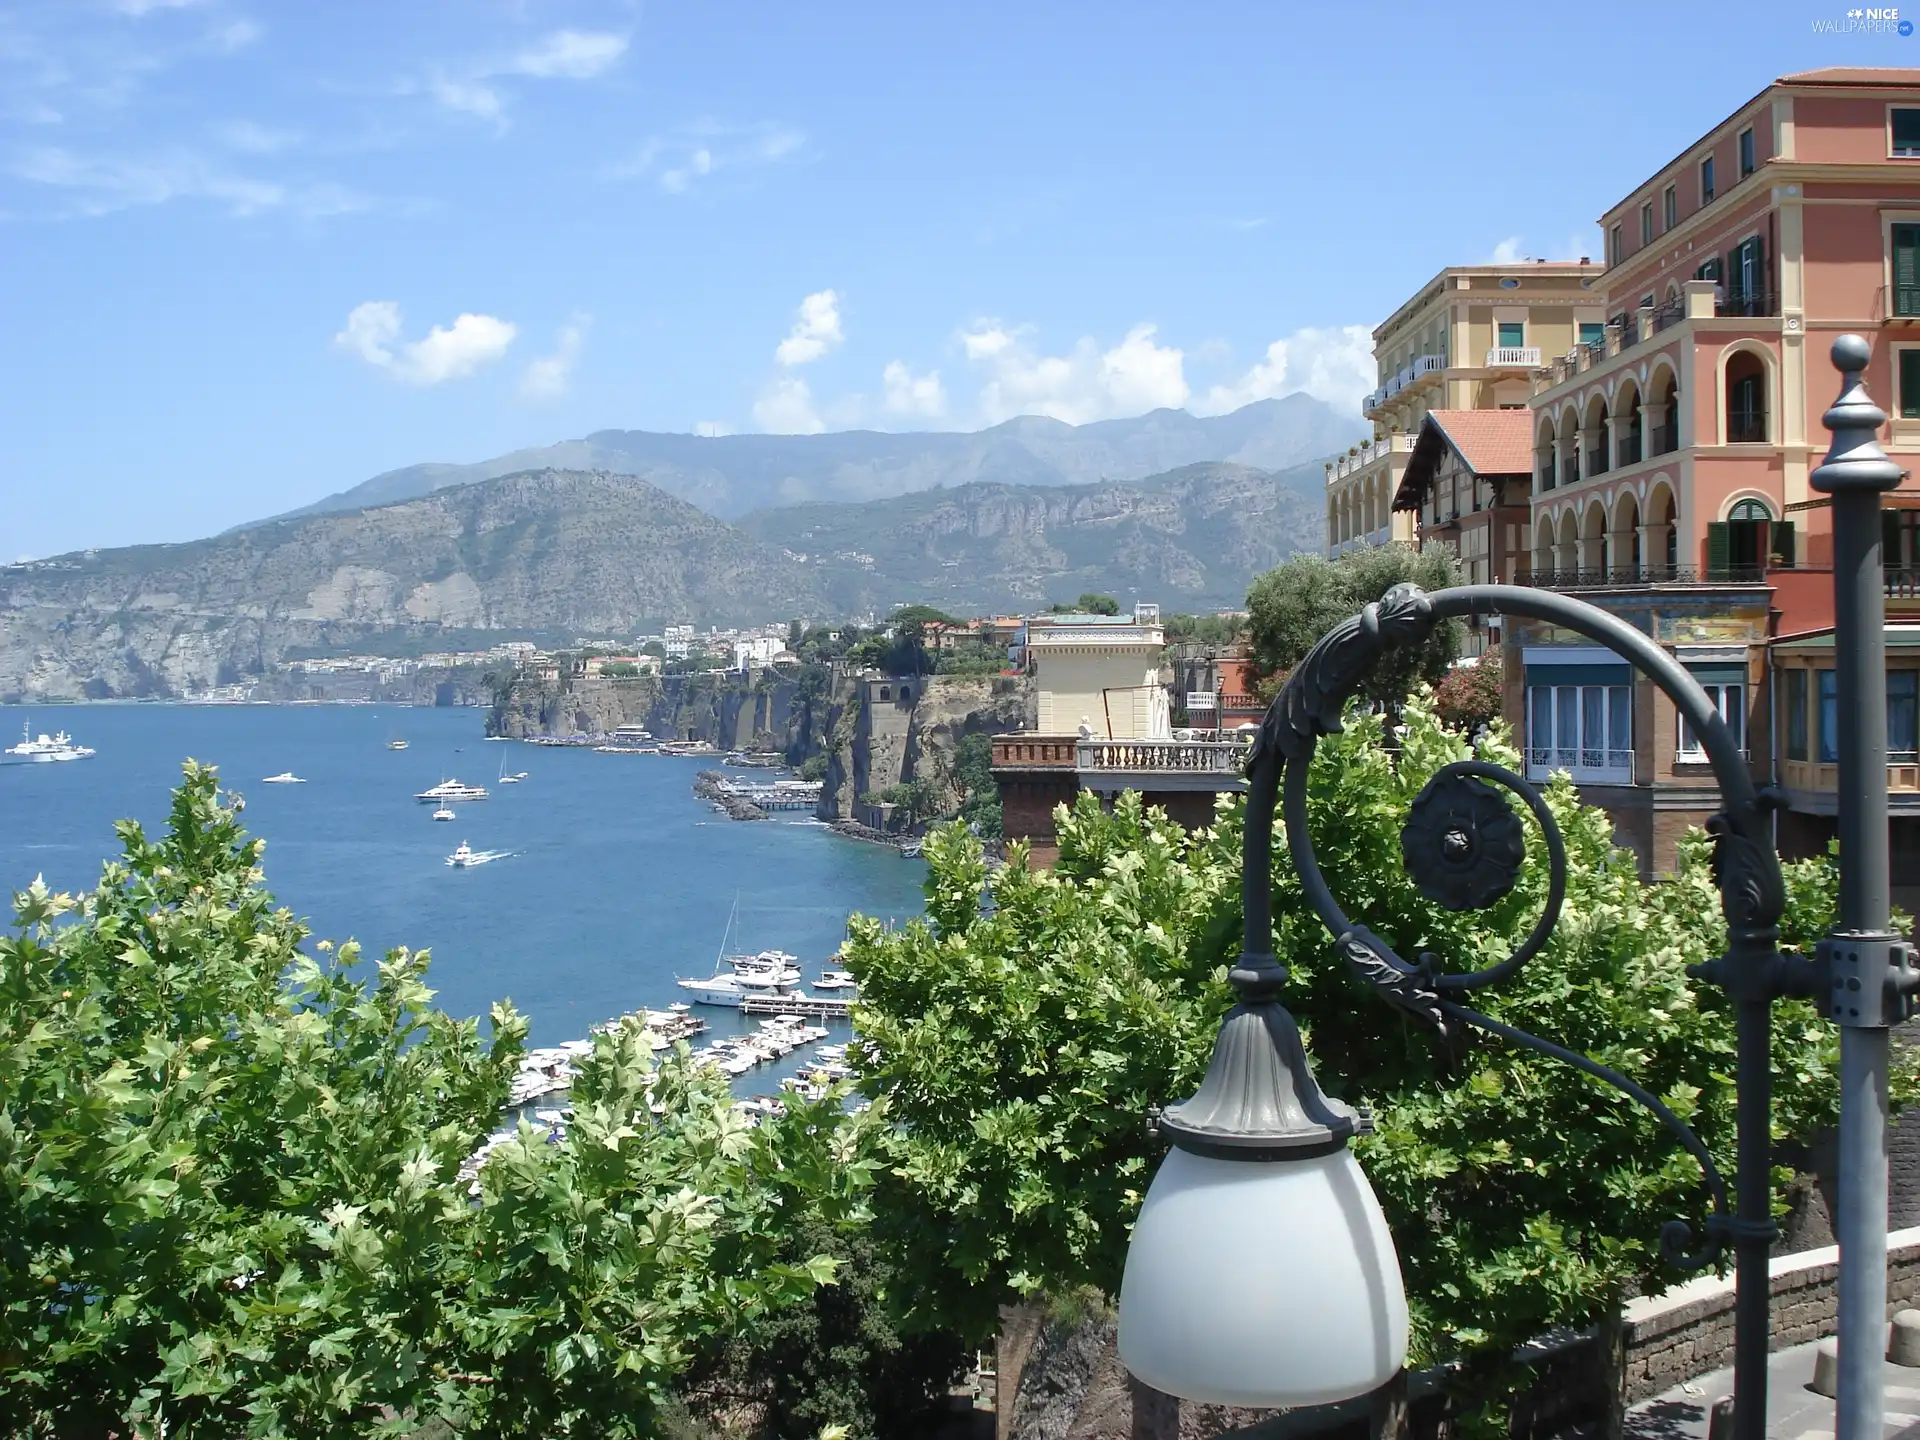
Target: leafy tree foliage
<point>915,802</point>
<point>1090,603</point>
<point>1017,1045</point>
<point>229,1193</point>
<point>839,1357</point>
<point>1292,606</point>
<point>1214,630</point>
<point>972,774</point>
<point>1469,695</point>
<point>921,615</point>
<point>970,659</point>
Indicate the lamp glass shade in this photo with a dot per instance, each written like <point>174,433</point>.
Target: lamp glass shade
<point>1264,1284</point>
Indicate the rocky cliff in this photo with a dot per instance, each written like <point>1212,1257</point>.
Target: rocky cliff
<point>727,711</point>
<point>879,733</point>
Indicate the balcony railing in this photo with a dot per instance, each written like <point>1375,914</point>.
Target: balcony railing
<point>1746,427</point>
<point>1759,303</point>
<point>1666,438</point>
<point>1168,757</point>
<point>1669,314</point>
<point>1597,459</point>
<point>1603,577</point>
<point>1903,584</point>
<point>1521,355</point>
<point>1630,448</point>
<point>1546,476</point>
<point>1583,762</point>
<point>1569,470</point>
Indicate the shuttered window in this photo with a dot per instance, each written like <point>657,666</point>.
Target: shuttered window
<point>1906,269</point>
<point>1909,362</point>
<point>1796,714</point>
<point>1906,132</point>
<point>1717,550</point>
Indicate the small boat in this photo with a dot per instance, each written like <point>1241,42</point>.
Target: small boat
<point>448,791</point>
<point>285,777</point>
<point>836,980</point>
<point>443,813</point>
<point>466,857</point>
<point>396,744</point>
<point>46,749</point>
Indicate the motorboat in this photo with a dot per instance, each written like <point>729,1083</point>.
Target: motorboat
<point>285,777</point>
<point>769,973</point>
<point>443,813</point>
<point>45,749</point>
<point>396,744</point>
<point>836,980</point>
<point>466,857</point>
<point>449,791</point>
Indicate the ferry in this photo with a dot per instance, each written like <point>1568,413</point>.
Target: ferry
<point>46,749</point>
<point>448,791</point>
<point>285,777</point>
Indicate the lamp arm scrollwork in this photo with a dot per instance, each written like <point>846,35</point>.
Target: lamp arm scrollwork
<point>1463,846</point>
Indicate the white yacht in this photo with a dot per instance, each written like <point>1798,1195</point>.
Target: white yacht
<point>449,791</point>
<point>285,777</point>
<point>443,813</point>
<point>396,743</point>
<point>770,973</point>
<point>836,980</point>
<point>466,857</point>
<point>45,749</point>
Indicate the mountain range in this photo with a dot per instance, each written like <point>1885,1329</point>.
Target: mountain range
<point>550,552</point>
<point>732,475</point>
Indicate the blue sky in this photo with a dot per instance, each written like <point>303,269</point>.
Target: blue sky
<point>253,253</point>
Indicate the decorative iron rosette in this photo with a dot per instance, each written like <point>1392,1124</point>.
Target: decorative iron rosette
<point>1462,844</point>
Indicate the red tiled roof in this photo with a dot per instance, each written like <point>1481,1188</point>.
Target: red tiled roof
<point>1492,442</point>
<point>1858,75</point>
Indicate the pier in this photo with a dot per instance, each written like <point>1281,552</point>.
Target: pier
<point>814,1007</point>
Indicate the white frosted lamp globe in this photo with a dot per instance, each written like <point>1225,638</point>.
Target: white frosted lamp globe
<point>1262,1283</point>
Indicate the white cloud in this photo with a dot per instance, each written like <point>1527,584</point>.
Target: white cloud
<point>468,96</point>
<point>233,36</point>
<point>137,8</point>
<point>785,407</point>
<point>712,429</point>
<point>570,55</point>
<point>1507,252</point>
<point>1087,384</point>
<point>447,353</point>
<point>104,184</point>
<point>546,378</point>
<point>254,138</point>
<point>815,331</point>
<point>910,394</point>
<point>678,160</point>
<point>1334,364</point>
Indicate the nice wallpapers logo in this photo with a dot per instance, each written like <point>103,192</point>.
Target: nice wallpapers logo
<point>1882,20</point>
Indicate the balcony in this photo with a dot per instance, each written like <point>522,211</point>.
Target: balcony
<point>1585,764</point>
<point>1759,303</point>
<point>1669,314</point>
<point>1109,766</point>
<point>1628,576</point>
<point>1368,453</point>
<point>1422,367</point>
<point>1666,438</point>
<point>1597,460</point>
<point>1505,356</point>
<point>1629,448</point>
<point>1903,584</point>
<point>1746,427</point>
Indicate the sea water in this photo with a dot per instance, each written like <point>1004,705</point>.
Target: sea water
<point>618,882</point>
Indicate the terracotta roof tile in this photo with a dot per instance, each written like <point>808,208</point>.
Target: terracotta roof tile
<point>1492,442</point>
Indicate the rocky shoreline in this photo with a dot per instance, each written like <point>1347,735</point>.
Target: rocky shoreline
<point>854,830</point>
<point>711,785</point>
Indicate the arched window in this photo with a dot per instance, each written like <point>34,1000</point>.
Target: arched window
<point>1746,399</point>
<point>1739,546</point>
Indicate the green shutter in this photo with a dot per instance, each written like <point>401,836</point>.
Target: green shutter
<point>1909,384</point>
<point>1783,542</point>
<point>1906,270</point>
<point>1602,674</point>
<point>1717,561</point>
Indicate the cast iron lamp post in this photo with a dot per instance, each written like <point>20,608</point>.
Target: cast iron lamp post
<point>1261,1272</point>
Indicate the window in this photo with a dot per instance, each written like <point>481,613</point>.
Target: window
<point>1903,716</point>
<point>1646,223</point>
<point>1826,698</point>
<point>1613,245</point>
<point>1909,363</point>
<point>1592,332</point>
<point>1906,133</point>
<point>1513,334</point>
<point>1670,207</point>
<point>1706,181</point>
<point>1727,700</point>
<point>1709,270</point>
<point>1797,714</point>
<point>1906,269</point>
<point>1746,152</point>
<point>1747,288</point>
<point>1580,728</point>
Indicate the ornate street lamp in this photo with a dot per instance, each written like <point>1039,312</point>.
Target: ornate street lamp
<point>1261,1272</point>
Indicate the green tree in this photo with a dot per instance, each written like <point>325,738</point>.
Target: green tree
<point>1016,1045</point>
<point>654,648</point>
<point>1089,603</point>
<point>972,774</point>
<point>231,1199</point>
<point>920,615</point>
<point>1213,630</point>
<point>1292,606</point>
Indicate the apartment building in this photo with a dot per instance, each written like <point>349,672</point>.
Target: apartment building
<point>1672,449</point>
<point>1470,339</point>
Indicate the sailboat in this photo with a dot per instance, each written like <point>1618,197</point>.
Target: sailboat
<point>768,974</point>
<point>513,779</point>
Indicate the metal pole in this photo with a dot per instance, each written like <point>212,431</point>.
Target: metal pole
<point>1862,955</point>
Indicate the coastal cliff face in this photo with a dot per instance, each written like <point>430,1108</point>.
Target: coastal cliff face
<point>874,732</point>
<point>729,712</point>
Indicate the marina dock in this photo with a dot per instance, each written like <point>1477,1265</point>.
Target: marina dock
<point>814,1007</point>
